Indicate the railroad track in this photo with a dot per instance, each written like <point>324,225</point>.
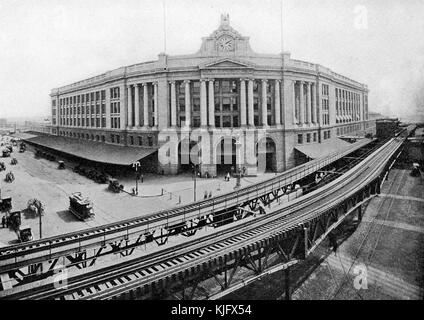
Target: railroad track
<point>49,247</point>
<point>119,278</point>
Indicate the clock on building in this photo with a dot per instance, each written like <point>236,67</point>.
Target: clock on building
<point>226,43</point>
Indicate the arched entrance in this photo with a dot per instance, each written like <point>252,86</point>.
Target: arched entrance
<point>187,155</point>
<point>226,156</point>
<point>266,155</point>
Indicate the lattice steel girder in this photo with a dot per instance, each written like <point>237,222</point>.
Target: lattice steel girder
<point>289,247</point>
<point>252,255</point>
<point>125,246</point>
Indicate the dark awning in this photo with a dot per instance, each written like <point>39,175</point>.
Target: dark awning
<point>92,150</point>
<point>319,150</point>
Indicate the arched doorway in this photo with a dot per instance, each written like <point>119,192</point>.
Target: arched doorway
<point>226,156</point>
<point>187,155</point>
<point>266,155</point>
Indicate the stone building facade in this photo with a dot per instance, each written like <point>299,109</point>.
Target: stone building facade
<point>224,91</point>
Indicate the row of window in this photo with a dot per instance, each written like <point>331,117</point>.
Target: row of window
<point>348,129</point>
<point>311,137</point>
<point>87,97</point>
<point>325,89</point>
<point>83,136</point>
<point>77,110</point>
<point>83,98</point>
<point>83,122</point>
<point>139,140</point>
<point>325,111</point>
<point>115,122</point>
<point>223,86</point>
<point>326,135</point>
<point>308,137</point>
<point>347,106</point>
<point>114,138</point>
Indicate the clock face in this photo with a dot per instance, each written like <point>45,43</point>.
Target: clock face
<point>225,43</point>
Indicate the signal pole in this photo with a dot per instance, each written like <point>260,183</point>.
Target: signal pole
<point>136,165</point>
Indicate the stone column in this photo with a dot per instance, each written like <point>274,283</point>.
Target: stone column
<point>187,103</point>
<point>173,105</point>
<point>357,108</point>
<point>129,105</point>
<point>211,103</point>
<point>295,120</point>
<point>250,103</point>
<point>348,105</point>
<point>242,102</point>
<point>283,113</point>
<point>108,122</point>
<point>156,97</point>
<point>353,107</point>
<point>314,103</point>
<point>145,105</point>
<point>277,103</point>
<point>319,103</point>
<point>122,108</point>
<point>203,104</point>
<point>308,102</point>
<point>137,106</point>
<point>263,104</point>
<point>301,104</point>
<point>92,107</point>
<point>79,105</point>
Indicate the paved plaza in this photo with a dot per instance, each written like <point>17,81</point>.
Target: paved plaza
<point>39,178</point>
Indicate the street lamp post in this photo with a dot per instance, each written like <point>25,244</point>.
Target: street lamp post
<point>40,223</point>
<point>238,165</point>
<point>195,171</point>
<point>136,165</point>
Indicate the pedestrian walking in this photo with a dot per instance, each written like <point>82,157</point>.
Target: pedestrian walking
<point>3,221</point>
<point>210,194</point>
<point>206,195</point>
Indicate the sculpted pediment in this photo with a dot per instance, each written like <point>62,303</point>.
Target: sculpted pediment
<point>226,64</point>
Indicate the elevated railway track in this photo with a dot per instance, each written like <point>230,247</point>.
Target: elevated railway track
<point>274,241</point>
<point>36,260</point>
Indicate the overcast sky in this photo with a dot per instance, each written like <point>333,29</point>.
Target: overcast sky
<point>50,43</point>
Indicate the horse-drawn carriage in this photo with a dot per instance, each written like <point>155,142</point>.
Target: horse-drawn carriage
<point>10,177</point>
<point>22,147</point>
<point>61,165</point>
<point>25,234</point>
<point>115,186</point>
<point>93,174</point>
<point>5,204</point>
<point>14,220</point>
<point>35,206</point>
<point>5,153</point>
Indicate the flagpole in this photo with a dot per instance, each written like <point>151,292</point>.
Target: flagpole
<point>164,25</point>
<point>281,19</point>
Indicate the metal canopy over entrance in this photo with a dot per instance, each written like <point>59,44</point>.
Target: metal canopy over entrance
<point>319,150</point>
<point>93,151</point>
